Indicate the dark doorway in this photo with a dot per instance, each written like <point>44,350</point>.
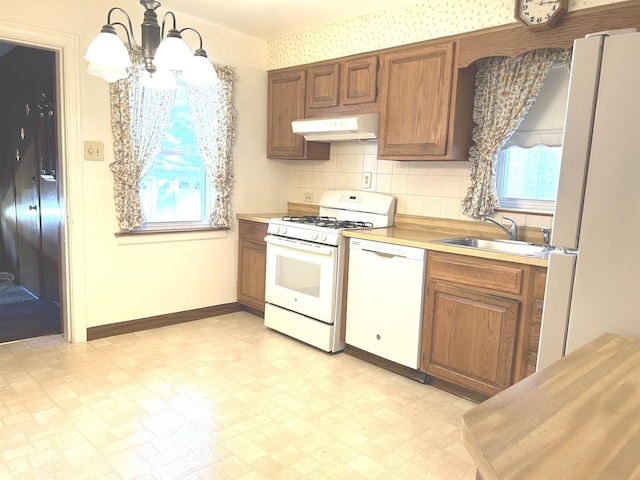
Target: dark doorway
<point>30,215</point>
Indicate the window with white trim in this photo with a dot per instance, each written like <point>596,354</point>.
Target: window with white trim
<point>529,164</point>
<point>176,189</point>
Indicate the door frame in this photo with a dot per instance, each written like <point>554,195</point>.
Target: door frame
<point>72,278</point>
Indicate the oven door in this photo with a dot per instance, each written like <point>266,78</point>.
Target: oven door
<point>301,277</point>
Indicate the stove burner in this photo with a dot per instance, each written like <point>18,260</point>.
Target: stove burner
<point>345,224</point>
<point>309,219</point>
<point>328,222</point>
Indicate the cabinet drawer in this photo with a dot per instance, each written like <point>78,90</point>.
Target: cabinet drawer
<point>255,231</point>
<point>502,277</point>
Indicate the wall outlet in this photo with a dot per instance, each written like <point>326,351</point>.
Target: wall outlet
<point>93,150</point>
<point>366,179</point>
<point>308,197</point>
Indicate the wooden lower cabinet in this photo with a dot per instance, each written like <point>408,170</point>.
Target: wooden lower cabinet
<point>252,262</point>
<point>480,326</point>
<point>532,337</point>
<point>473,338</point>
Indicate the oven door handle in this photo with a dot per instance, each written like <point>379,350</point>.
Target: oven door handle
<point>300,245</point>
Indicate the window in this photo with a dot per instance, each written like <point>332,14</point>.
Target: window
<point>527,178</point>
<point>529,164</point>
<point>176,189</point>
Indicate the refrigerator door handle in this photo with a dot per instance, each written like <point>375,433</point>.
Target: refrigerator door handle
<point>556,309</point>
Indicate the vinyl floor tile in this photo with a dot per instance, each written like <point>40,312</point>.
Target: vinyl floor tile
<point>221,398</point>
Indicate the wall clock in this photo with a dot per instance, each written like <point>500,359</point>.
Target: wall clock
<point>539,15</point>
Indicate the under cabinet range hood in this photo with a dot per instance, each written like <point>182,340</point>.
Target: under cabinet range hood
<point>353,127</point>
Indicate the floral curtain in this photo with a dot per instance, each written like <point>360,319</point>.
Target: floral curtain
<point>506,88</point>
<point>214,120</point>
<point>139,122</point>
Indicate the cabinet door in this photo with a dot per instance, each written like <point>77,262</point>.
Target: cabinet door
<point>252,260</point>
<point>532,338</point>
<point>322,86</point>
<point>470,337</point>
<point>286,103</point>
<point>414,105</point>
<point>359,82</point>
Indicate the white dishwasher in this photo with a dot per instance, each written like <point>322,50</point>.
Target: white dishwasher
<point>384,300</point>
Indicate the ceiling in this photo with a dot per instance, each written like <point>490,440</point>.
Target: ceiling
<point>271,19</point>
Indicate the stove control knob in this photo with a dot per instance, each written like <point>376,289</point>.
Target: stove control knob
<point>284,230</point>
<point>323,237</point>
<point>314,236</point>
<point>276,229</point>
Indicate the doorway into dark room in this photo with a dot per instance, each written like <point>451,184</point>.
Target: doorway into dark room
<point>30,203</point>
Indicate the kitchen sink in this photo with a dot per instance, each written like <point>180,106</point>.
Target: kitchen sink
<point>504,246</point>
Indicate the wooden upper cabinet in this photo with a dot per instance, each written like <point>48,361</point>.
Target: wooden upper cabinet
<point>286,102</point>
<point>347,87</point>
<point>426,104</point>
<point>322,86</point>
<point>360,81</point>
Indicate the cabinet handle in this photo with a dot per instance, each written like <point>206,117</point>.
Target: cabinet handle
<point>33,207</point>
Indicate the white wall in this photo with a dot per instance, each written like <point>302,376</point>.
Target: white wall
<point>433,189</point>
<point>112,280</point>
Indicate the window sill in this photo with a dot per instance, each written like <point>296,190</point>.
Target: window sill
<point>174,234</point>
<point>525,211</point>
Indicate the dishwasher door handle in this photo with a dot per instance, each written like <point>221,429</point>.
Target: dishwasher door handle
<point>383,254</point>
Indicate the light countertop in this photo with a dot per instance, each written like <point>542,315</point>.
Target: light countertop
<point>259,217</point>
<point>428,240</point>
<point>421,238</point>
<point>577,419</point>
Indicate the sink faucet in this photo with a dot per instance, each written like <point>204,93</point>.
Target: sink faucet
<point>545,237</point>
<point>512,231</point>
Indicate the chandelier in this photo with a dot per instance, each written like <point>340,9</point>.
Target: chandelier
<point>164,58</point>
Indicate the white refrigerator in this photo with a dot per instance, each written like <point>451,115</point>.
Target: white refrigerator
<point>593,278</point>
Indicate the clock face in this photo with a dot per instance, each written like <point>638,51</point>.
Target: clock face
<point>539,12</point>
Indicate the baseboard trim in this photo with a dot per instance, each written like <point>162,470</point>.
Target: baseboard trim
<point>251,310</point>
<point>394,367</point>
<point>158,321</point>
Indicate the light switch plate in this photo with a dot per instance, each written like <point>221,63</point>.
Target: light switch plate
<point>93,150</point>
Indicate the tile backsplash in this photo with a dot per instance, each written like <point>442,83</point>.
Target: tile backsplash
<point>430,189</point>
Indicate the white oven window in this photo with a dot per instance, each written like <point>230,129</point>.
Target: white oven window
<point>298,275</point>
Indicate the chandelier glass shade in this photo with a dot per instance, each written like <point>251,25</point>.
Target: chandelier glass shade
<point>109,58</point>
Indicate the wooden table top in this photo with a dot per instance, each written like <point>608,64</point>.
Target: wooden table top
<point>577,419</point>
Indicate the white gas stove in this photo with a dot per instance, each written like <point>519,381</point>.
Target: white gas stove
<point>339,210</point>
<point>305,264</point>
